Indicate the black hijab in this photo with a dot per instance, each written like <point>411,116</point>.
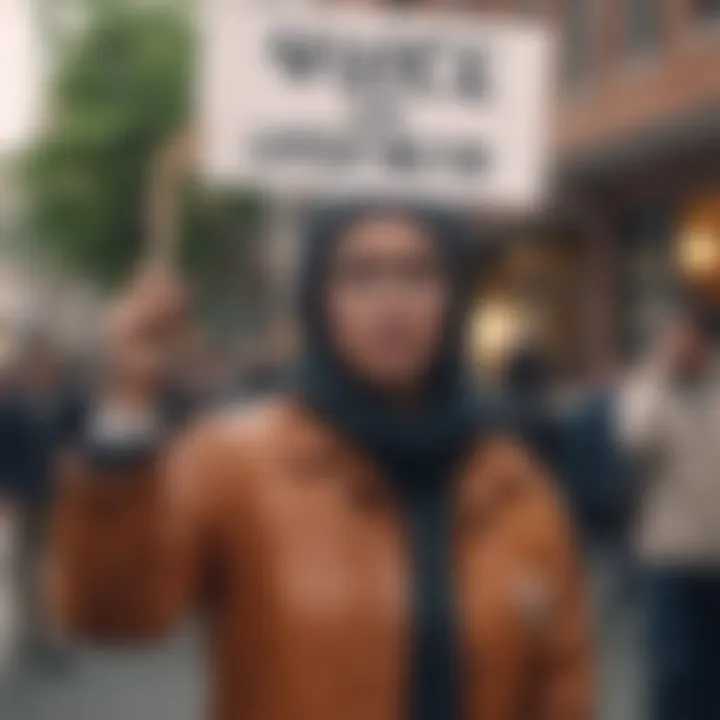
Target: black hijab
<point>418,452</point>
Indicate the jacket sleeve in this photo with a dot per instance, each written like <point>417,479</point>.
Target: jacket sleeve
<point>566,663</point>
<point>129,545</point>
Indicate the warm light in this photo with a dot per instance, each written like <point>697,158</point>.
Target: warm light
<point>699,251</point>
<point>497,328</point>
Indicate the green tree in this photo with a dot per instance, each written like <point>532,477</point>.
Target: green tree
<point>122,86</point>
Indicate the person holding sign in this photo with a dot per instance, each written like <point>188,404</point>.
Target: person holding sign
<point>369,544</point>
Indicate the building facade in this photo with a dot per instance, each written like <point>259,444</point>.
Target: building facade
<point>638,137</point>
<point>637,157</point>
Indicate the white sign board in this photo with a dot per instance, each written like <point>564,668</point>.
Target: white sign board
<point>22,79</point>
<point>373,102</point>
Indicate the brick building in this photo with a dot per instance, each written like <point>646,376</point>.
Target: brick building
<point>638,135</point>
<point>637,145</point>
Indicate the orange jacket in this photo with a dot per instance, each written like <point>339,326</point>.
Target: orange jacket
<point>288,544</point>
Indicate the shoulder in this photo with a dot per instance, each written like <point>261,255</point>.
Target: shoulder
<point>539,505</point>
<point>247,423</point>
<point>236,435</point>
<point>222,460</point>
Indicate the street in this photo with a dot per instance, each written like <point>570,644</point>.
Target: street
<point>144,685</point>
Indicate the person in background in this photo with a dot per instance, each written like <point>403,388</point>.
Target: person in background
<point>203,376</point>
<point>8,365</point>
<point>266,363</point>
<point>527,387</point>
<point>37,413</point>
<point>9,606</point>
<point>669,418</point>
<point>262,373</point>
<point>366,544</point>
<point>574,436</point>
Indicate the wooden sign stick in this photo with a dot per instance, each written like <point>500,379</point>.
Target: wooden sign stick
<point>169,169</point>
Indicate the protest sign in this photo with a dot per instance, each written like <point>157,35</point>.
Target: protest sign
<point>306,101</point>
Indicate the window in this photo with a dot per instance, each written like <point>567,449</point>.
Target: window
<point>579,41</point>
<point>708,9</point>
<point>642,25</point>
<point>649,276</point>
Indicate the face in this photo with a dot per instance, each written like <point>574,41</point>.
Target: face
<point>387,302</point>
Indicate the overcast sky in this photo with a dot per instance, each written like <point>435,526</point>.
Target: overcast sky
<point>21,72</point>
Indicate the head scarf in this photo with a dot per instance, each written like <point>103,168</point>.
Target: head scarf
<point>449,411</point>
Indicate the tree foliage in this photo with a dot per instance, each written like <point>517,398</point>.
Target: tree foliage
<point>121,87</point>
